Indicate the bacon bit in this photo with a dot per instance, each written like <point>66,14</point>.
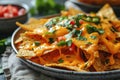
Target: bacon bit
<point>72,22</point>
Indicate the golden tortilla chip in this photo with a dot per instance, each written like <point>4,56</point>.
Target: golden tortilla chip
<point>115,66</point>
<point>65,67</point>
<point>107,11</point>
<point>28,27</point>
<point>27,54</point>
<point>32,24</point>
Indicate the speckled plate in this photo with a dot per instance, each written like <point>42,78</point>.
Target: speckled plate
<point>66,74</point>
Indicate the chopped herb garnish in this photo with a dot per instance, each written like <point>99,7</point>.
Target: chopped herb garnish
<point>88,19</point>
<point>51,40</point>
<point>69,27</point>
<point>74,33</point>
<point>77,22</point>
<point>100,31</point>
<point>60,60</point>
<point>62,18</point>
<point>54,21</point>
<point>82,38</point>
<point>78,32</point>
<point>96,19</point>
<point>69,35</point>
<point>91,29</point>
<point>66,23</point>
<point>61,43</point>
<point>48,33</point>
<point>93,37</point>
<point>78,18</point>
<point>37,43</point>
<point>52,31</point>
<point>49,24</point>
<point>81,16</point>
<point>69,42</point>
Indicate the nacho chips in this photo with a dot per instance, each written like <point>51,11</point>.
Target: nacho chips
<point>73,41</point>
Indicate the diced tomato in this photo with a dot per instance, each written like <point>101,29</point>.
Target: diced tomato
<point>72,22</point>
<point>21,11</point>
<point>15,11</point>
<point>61,38</point>
<point>8,15</point>
<point>72,47</point>
<point>9,7</point>
<point>81,21</point>
<point>5,9</point>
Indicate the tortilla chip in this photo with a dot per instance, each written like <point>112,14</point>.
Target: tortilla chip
<point>65,67</point>
<point>115,66</point>
<point>28,27</point>
<point>27,54</point>
<point>116,25</point>
<point>32,24</point>
<point>107,11</point>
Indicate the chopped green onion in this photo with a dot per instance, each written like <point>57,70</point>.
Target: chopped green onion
<point>49,33</point>
<point>93,37</point>
<point>54,21</point>
<point>82,38</point>
<point>37,43</point>
<point>60,60</point>
<point>69,27</point>
<point>88,19</point>
<point>91,29</point>
<point>62,18</point>
<point>96,19</point>
<point>49,24</point>
<point>100,31</point>
<point>61,43</point>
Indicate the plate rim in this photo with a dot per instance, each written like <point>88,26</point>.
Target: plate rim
<point>54,69</point>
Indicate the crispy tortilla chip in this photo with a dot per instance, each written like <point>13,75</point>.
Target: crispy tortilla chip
<point>41,21</point>
<point>27,54</point>
<point>115,66</point>
<point>61,66</point>
<point>116,24</point>
<point>100,67</point>
<point>32,24</point>
<point>107,11</point>
<point>28,27</point>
